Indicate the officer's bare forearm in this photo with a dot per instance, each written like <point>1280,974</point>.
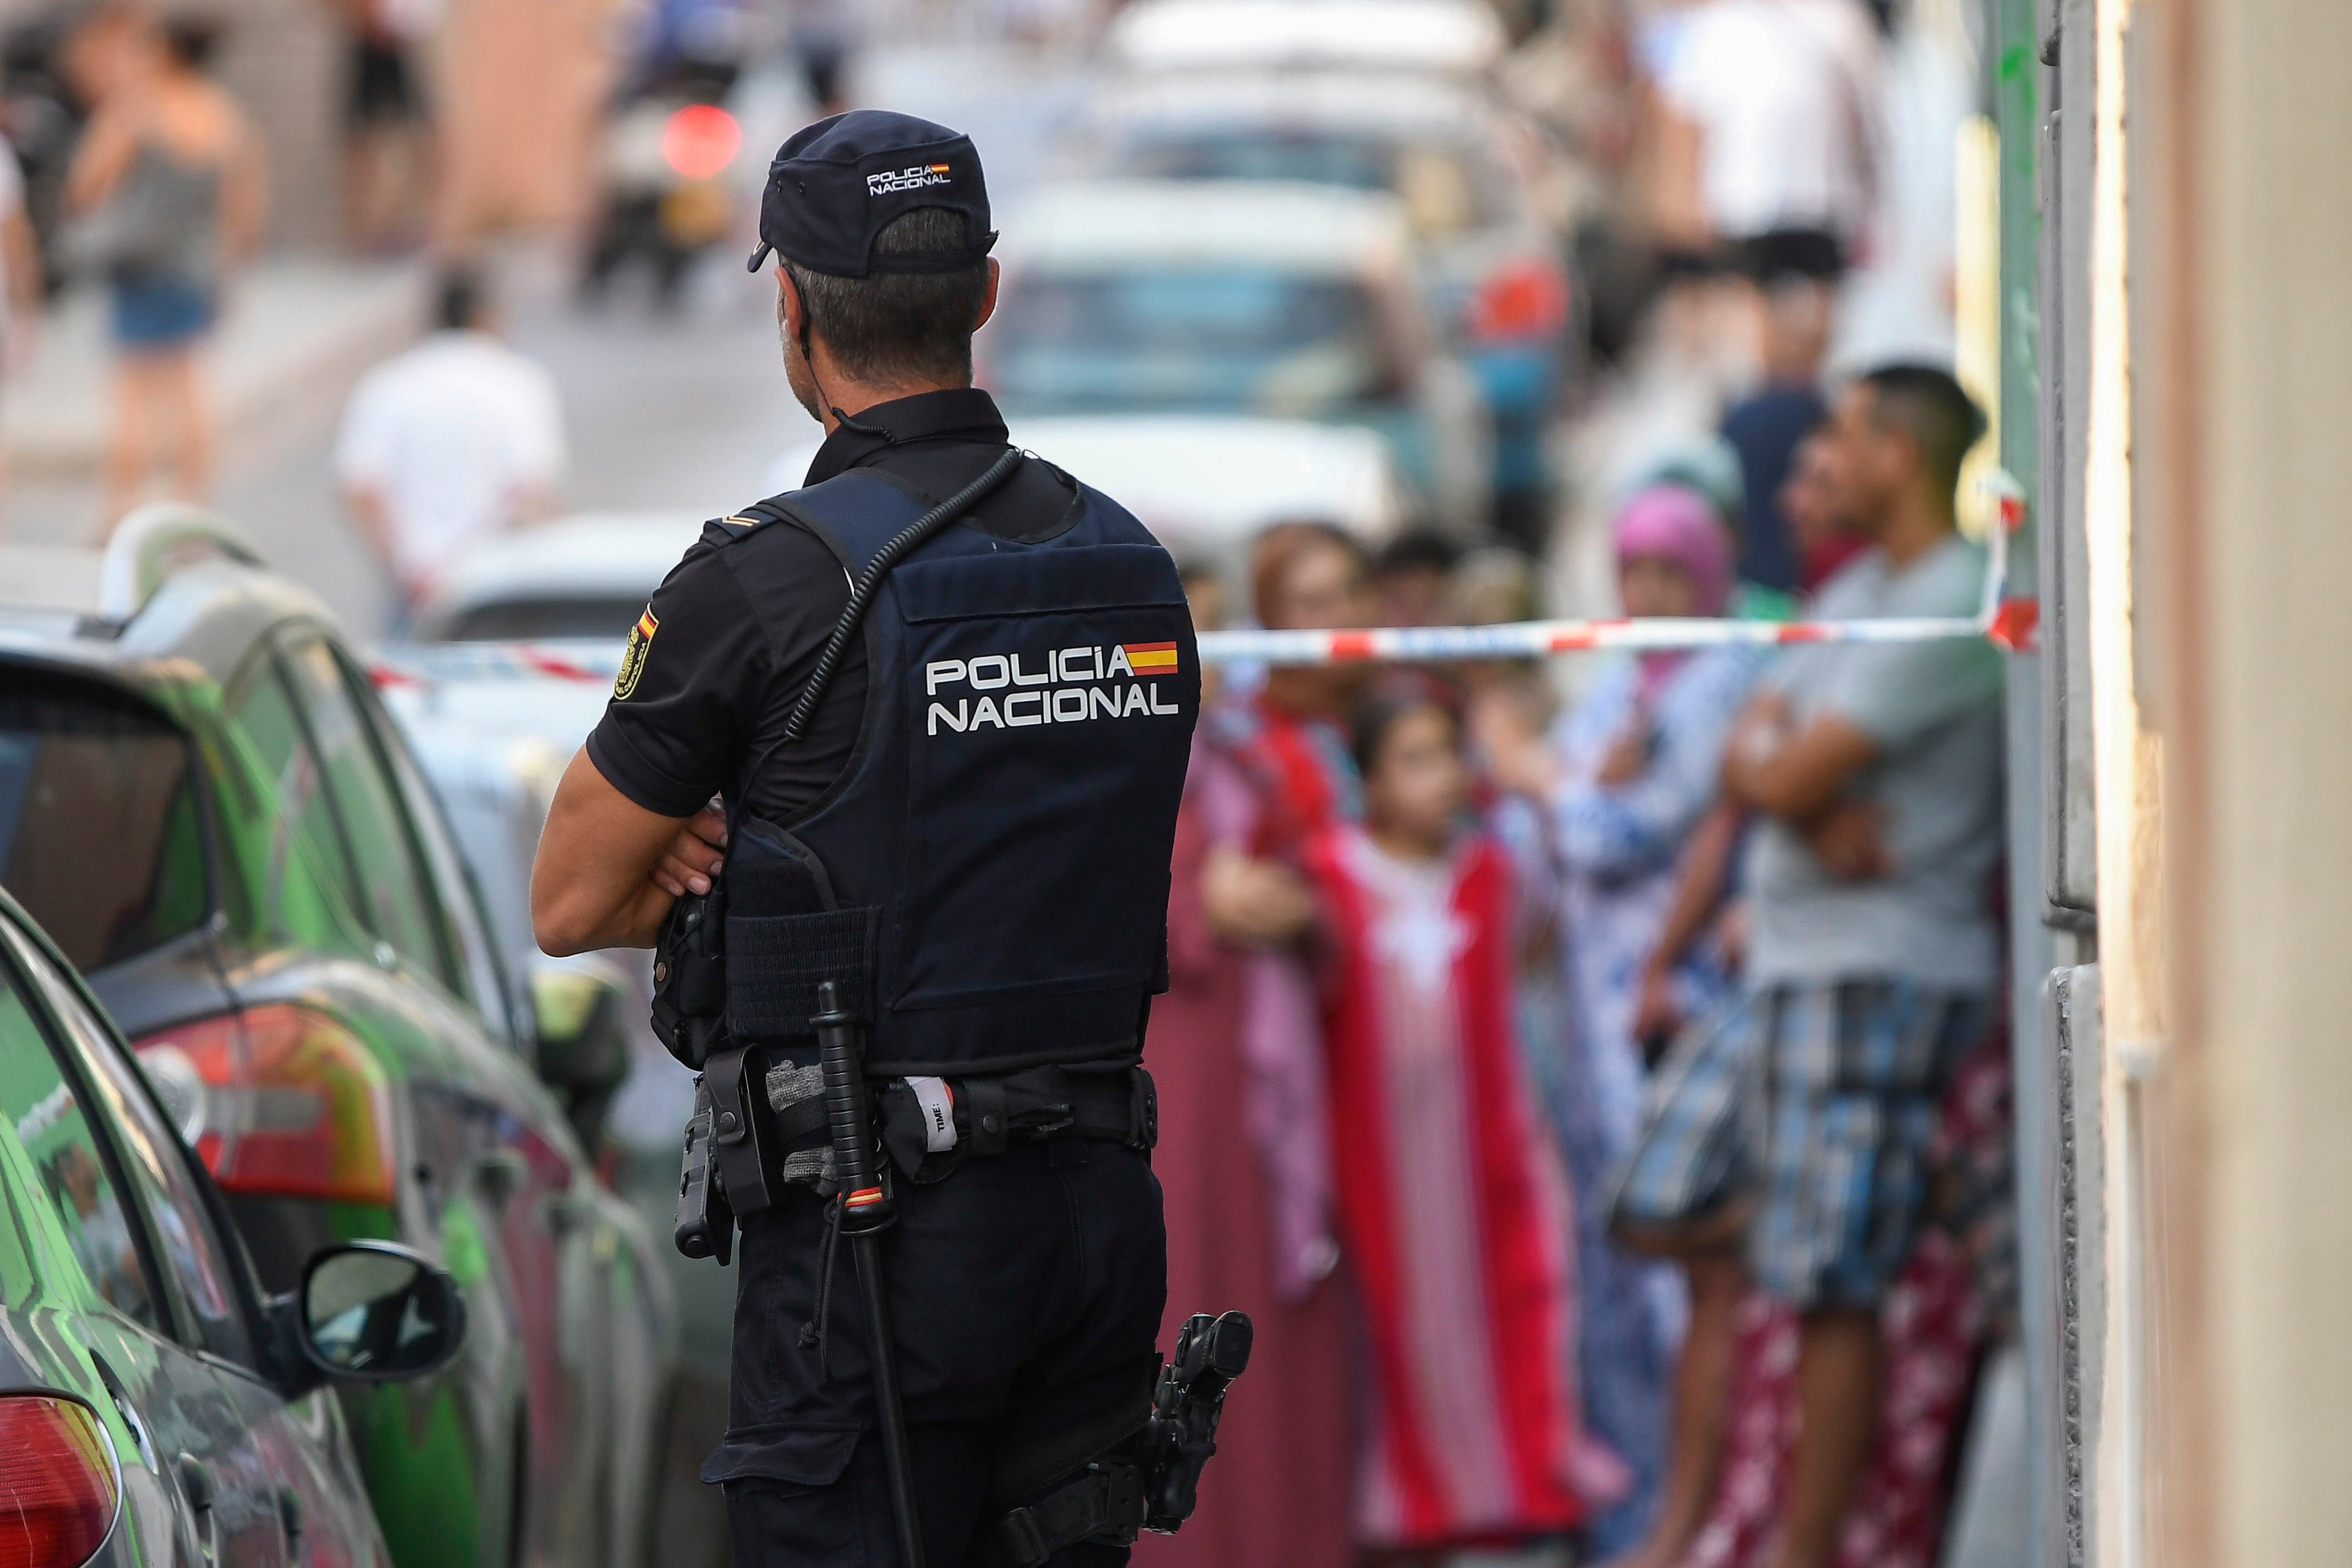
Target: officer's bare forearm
<point>593,885</point>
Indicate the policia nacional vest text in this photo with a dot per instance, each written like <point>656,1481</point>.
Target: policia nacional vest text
<point>988,878</point>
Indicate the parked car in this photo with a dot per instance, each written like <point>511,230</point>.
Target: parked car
<point>1484,192</point>
<point>1448,37</point>
<point>203,803</point>
<point>493,726</point>
<point>157,1408</point>
<point>1207,484</point>
<point>1237,297</point>
<point>584,576</point>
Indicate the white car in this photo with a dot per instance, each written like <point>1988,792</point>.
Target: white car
<point>1206,485</point>
<point>494,727</point>
<point>1452,38</point>
<point>582,576</point>
<point>1487,194</point>
<point>1283,300</point>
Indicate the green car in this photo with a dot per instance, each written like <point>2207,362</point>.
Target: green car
<point>153,1408</point>
<point>203,804</point>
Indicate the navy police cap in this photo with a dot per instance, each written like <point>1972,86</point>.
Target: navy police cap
<point>836,186</point>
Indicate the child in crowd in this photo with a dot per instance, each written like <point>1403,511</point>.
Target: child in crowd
<point>1452,1208</point>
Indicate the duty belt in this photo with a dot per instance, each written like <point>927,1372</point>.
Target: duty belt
<point>930,1126</point>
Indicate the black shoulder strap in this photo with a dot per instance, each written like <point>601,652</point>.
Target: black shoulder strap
<point>862,589</point>
<point>862,593</point>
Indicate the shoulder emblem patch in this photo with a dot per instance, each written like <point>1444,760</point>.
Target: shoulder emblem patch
<point>632,657</point>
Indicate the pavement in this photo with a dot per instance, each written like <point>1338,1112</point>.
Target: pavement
<point>296,328</point>
<point>685,411</point>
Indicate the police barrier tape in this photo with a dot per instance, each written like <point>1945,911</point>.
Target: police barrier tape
<point>2011,625</point>
<point>2008,623</point>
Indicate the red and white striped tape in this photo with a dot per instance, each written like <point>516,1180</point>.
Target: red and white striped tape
<point>2011,627</point>
<point>2008,623</point>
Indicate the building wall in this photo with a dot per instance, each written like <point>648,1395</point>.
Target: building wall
<point>2230,635</point>
<point>2273,598</point>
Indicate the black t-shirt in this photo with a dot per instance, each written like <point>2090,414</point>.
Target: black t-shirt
<point>1765,430</point>
<point>737,626</point>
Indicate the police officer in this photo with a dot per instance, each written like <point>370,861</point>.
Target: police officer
<point>968,833</point>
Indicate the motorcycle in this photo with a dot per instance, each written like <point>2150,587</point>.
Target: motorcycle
<point>667,146</point>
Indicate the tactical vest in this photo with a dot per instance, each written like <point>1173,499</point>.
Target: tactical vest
<point>988,878</point>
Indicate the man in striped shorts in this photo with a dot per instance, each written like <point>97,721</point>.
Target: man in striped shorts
<point>1873,774</point>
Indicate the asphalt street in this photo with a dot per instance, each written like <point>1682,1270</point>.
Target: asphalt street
<point>679,411</point>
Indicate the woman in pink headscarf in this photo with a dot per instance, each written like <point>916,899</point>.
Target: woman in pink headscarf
<point>1627,776</point>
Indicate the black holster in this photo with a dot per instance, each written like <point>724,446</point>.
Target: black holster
<point>1135,1476</point>
<point>689,1010</point>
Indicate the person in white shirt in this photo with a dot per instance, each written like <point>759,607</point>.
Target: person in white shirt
<point>457,438</point>
<point>1782,97</point>
<point>21,283</point>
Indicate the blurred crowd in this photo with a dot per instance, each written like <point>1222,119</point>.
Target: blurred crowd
<point>1600,1104</point>
<point>1596,1086</point>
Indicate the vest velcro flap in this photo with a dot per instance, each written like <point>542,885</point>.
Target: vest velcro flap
<point>1034,581</point>
<point>776,962</point>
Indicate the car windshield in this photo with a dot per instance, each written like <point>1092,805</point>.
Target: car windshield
<point>543,620</point>
<point>1447,188</point>
<point>99,836</point>
<point>1225,339</point>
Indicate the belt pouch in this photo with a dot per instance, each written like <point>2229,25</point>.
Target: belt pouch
<point>743,1142</point>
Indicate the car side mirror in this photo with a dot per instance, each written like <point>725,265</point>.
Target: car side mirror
<point>581,1007</point>
<point>367,1311</point>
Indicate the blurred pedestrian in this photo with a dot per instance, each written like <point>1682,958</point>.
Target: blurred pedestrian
<point>1808,506</point>
<point>455,439</point>
<point>1773,107</point>
<point>169,190</point>
<point>1764,140</point>
<point>1873,958</point>
<point>823,37</point>
<point>1310,575</point>
<point>1496,584</point>
<point>1454,1210</point>
<point>23,287</point>
<point>1412,577</point>
<point>1281,1496</point>
<point>1288,745</point>
<point>387,121</point>
<point>1766,427</point>
<point>1711,467</point>
<point>1630,774</point>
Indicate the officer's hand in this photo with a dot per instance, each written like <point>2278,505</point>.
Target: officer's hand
<point>692,860</point>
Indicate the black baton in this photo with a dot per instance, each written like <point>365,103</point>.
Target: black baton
<point>866,1213</point>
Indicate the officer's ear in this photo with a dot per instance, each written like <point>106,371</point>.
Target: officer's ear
<point>988,296</point>
<point>789,309</point>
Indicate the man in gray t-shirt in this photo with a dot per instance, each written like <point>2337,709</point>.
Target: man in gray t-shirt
<point>1874,774</point>
<point>1931,794</point>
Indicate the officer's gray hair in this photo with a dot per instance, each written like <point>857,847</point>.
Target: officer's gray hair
<point>900,326</point>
